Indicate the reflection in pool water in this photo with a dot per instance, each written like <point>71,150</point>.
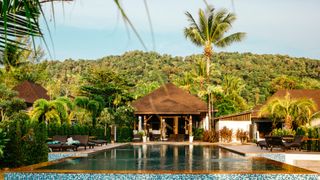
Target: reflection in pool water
<point>169,157</point>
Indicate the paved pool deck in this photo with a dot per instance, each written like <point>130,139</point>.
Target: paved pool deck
<point>303,159</point>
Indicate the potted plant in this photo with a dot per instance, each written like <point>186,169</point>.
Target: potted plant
<point>190,138</point>
<point>143,135</point>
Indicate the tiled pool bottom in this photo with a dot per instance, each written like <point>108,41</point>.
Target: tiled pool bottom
<point>54,176</point>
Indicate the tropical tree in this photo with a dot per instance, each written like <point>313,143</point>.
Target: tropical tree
<point>210,32</point>
<point>92,106</point>
<point>284,82</point>
<point>232,87</point>
<point>50,111</point>
<point>107,84</point>
<point>106,118</point>
<point>289,109</point>
<point>9,103</point>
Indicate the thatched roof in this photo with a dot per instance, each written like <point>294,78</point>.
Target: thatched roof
<point>295,94</point>
<point>169,99</point>
<point>30,92</point>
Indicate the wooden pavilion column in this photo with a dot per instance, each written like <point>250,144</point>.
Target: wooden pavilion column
<point>134,125</point>
<point>190,125</point>
<point>145,124</point>
<point>161,128</point>
<point>175,125</point>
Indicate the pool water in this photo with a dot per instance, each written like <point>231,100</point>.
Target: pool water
<point>170,158</point>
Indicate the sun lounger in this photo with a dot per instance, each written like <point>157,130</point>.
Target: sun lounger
<point>264,143</point>
<point>59,143</point>
<point>297,142</point>
<point>99,142</point>
<point>84,141</point>
<point>277,142</point>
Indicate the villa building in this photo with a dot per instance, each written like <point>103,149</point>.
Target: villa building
<point>170,111</point>
<point>256,124</point>
<point>30,92</point>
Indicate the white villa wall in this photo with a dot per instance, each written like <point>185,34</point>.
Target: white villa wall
<point>234,125</point>
<point>315,122</point>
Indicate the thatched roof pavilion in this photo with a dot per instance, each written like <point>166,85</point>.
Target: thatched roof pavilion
<point>169,99</point>
<point>30,92</point>
<point>170,107</point>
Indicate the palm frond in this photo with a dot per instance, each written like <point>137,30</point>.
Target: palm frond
<point>194,36</point>
<point>236,37</point>
<point>18,18</point>
<point>193,24</point>
<point>126,18</point>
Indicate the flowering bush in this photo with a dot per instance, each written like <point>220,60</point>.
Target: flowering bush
<point>241,135</point>
<point>225,134</point>
<point>210,136</point>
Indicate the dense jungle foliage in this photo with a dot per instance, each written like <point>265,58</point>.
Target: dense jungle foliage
<point>136,73</point>
<point>247,79</point>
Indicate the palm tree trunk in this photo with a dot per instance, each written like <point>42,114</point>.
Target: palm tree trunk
<point>288,122</point>
<point>208,54</point>
<point>209,110</point>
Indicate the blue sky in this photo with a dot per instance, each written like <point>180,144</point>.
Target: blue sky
<point>91,29</point>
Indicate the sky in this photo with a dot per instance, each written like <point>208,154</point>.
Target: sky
<point>91,29</point>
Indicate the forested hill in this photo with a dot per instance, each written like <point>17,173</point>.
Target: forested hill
<point>260,75</point>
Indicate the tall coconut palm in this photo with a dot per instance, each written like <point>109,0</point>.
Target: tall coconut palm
<point>210,32</point>
<point>288,109</point>
<point>47,111</point>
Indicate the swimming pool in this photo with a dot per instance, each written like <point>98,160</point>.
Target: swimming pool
<point>163,162</point>
<point>166,158</point>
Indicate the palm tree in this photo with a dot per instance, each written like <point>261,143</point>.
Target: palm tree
<point>93,106</point>
<point>69,106</point>
<point>47,111</point>
<point>232,87</point>
<point>210,32</point>
<point>288,109</point>
<point>105,119</point>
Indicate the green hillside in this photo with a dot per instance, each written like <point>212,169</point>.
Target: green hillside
<point>257,76</point>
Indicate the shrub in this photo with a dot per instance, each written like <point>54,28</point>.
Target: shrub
<point>283,132</point>
<point>27,142</point>
<point>241,135</point>
<point>124,134</point>
<point>77,129</point>
<point>210,136</point>
<point>225,134</point>
<point>198,133</point>
<point>36,144</point>
<point>3,141</point>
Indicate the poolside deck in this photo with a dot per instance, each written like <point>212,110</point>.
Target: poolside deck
<point>303,159</point>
